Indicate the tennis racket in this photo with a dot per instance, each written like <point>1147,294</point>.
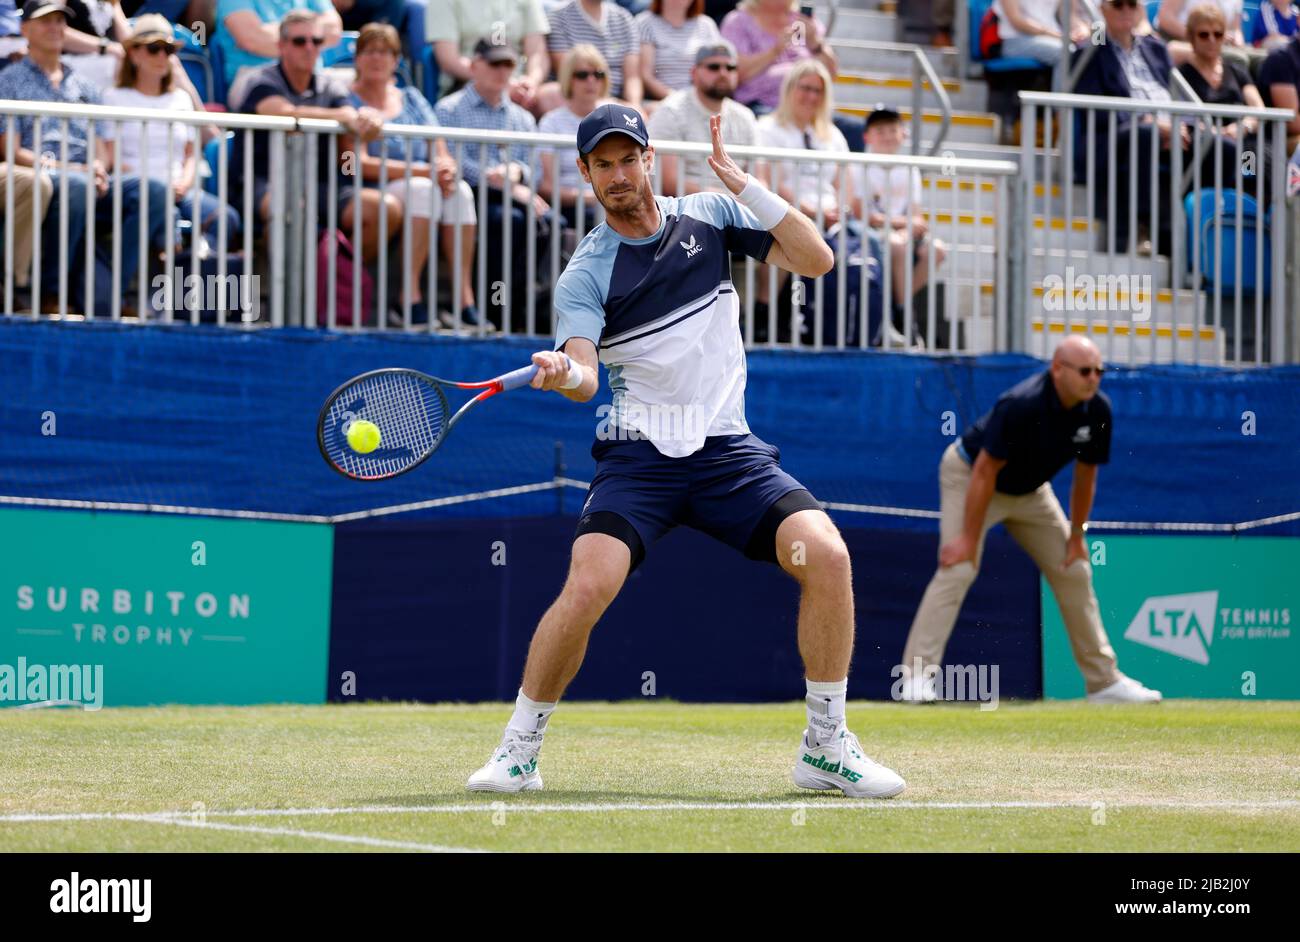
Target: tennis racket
<point>411,412</point>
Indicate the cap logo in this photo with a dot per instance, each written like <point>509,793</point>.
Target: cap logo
<point>630,120</point>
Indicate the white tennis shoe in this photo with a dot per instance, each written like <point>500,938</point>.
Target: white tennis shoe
<point>1125,690</point>
<point>842,764</point>
<point>512,768</point>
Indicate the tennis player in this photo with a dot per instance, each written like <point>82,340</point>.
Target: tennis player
<point>649,294</point>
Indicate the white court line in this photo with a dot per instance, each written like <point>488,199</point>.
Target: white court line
<point>316,836</point>
<point>828,804</point>
<point>183,819</point>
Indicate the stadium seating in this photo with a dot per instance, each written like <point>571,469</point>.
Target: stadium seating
<point>1226,213</point>
<point>1005,75</point>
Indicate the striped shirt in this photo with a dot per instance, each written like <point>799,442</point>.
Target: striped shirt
<point>467,109</point>
<point>674,46</point>
<point>615,36</point>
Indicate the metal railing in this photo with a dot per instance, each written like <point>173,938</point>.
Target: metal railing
<point>148,286</point>
<point>1124,189</point>
<point>963,310</point>
<point>922,72</point>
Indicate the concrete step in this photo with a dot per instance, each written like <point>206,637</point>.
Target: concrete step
<point>1125,342</point>
<point>969,227</point>
<point>856,55</point>
<point>1044,262</point>
<point>940,192</point>
<point>869,25</point>
<point>871,89</point>
<point>965,127</point>
<point>1122,301</point>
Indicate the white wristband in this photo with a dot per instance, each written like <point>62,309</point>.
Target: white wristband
<point>763,203</point>
<point>575,377</point>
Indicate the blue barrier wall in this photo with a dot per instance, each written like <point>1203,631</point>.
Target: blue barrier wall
<point>420,611</point>
<point>207,417</point>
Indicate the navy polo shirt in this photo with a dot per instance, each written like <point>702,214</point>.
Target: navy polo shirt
<point>1282,67</point>
<point>1037,435</point>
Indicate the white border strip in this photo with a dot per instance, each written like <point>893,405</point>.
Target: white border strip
<point>515,806</point>
<point>562,482</point>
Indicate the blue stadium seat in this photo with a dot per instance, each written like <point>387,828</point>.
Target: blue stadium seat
<point>1023,64</point>
<point>1226,212</point>
<point>430,74</point>
<point>197,61</point>
<point>211,154</point>
<point>218,62</point>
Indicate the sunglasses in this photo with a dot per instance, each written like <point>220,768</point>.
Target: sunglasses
<point>1206,34</point>
<point>301,41</point>
<point>583,74</point>
<point>719,66</point>
<point>1121,4</point>
<point>1087,371</point>
<point>159,48</point>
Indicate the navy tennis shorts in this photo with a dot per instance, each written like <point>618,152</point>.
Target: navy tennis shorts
<point>732,489</point>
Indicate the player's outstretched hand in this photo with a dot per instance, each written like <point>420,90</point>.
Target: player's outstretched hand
<point>727,170</point>
<point>552,369</point>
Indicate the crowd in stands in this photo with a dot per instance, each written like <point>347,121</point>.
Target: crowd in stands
<point>520,66</point>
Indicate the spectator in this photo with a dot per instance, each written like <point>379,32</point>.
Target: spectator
<point>356,14</point>
<point>684,116</point>
<point>610,29</point>
<point>889,198</point>
<point>12,45</point>
<point>434,190</point>
<point>670,32</point>
<point>248,36</point>
<point>484,104</point>
<point>454,27</point>
<point>1171,21</point>
<point>92,43</point>
<point>291,88</point>
<point>1274,24</point>
<point>1030,28</point>
<point>803,121</point>
<point>770,38</point>
<point>41,76</point>
<point>144,80</point>
<point>28,196</point>
<point>1279,85</point>
<point>1218,81</point>
<point>584,80</point>
<point>1128,65</point>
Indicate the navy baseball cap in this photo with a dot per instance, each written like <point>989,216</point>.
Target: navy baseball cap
<point>34,9</point>
<point>611,119</point>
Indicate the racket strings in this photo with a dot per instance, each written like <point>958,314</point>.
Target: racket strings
<point>409,412</point>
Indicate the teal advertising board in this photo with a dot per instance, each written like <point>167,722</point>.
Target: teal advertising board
<point>1191,616</point>
<point>174,609</point>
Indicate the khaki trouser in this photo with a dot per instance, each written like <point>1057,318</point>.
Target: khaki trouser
<point>24,196</point>
<point>1037,522</point>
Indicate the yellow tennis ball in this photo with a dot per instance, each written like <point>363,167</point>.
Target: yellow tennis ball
<point>363,436</point>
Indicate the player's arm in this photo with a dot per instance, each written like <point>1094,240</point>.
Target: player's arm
<point>983,479</point>
<point>798,247</point>
<point>557,373</point>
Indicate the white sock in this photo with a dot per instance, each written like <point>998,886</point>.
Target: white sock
<point>825,701</point>
<point>530,718</point>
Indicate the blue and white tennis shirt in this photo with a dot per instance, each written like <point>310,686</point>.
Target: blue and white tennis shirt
<point>664,315</point>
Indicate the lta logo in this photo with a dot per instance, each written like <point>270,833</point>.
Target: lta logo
<point>1181,625</point>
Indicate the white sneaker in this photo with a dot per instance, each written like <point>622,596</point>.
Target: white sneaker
<point>1125,690</point>
<point>512,768</point>
<point>918,690</point>
<point>842,764</point>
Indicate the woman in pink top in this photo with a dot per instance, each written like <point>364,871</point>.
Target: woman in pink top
<point>770,36</point>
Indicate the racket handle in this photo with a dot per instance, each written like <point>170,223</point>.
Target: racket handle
<point>517,378</point>
<point>523,376</point>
